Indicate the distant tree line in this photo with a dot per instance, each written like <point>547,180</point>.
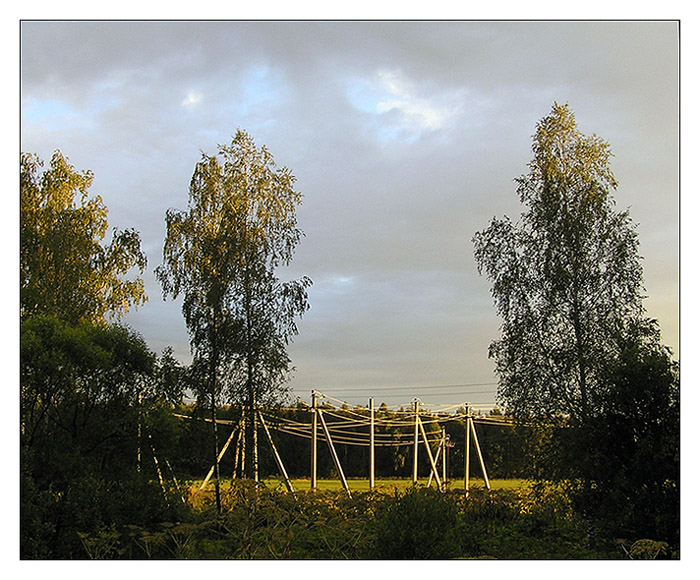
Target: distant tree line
<point>505,448</point>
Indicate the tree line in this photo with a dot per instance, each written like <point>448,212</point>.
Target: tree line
<point>594,394</point>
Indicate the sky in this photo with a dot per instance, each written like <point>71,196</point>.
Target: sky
<point>405,138</point>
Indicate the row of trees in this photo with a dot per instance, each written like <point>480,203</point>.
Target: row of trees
<point>577,358</point>
<point>88,384</point>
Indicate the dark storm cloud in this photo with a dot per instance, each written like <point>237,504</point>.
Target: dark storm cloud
<point>405,138</point>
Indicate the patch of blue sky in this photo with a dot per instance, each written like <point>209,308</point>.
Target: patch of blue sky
<point>400,112</point>
<point>262,89</point>
<point>39,111</point>
<point>249,100</point>
<point>57,115</point>
<point>105,95</point>
<point>365,96</point>
<point>329,291</point>
<point>388,132</point>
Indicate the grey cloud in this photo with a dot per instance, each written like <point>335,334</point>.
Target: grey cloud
<point>390,207</point>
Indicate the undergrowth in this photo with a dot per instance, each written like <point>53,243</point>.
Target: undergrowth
<point>535,522</point>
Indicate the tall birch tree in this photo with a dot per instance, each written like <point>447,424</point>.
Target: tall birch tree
<point>222,256</point>
<point>567,277</point>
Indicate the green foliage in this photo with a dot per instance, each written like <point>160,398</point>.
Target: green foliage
<point>78,519</point>
<point>576,349</point>
<point>628,459</point>
<point>77,384</point>
<point>221,256</point>
<point>565,278</point>
<point>622,467</point>
<point>530,523</point>
<point>418,524</point>
<point>103,545</point>
<point>263,523</point>
<point>65,270</point>
<point>170,378</point>
<point>645,549</point>
<point>80,417</point>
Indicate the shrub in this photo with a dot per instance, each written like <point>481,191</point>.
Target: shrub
<point>417,524</point>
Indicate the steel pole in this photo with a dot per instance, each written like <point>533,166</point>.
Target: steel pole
<point>466,450</point>
<point>443,444</point>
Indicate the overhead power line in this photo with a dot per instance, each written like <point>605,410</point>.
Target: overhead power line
<point>406,388</point>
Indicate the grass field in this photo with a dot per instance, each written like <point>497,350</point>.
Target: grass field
<point>382,485</point>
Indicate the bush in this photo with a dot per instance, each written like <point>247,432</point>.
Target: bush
<point>262,523</point>
<point>536,522</point>
<point>418,524</point>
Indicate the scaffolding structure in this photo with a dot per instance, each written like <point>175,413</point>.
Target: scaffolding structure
<point>343,430</point>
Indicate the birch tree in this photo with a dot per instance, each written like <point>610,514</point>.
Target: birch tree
<point>222,256</point>
<point>567,278</point>
<point>65,269</point>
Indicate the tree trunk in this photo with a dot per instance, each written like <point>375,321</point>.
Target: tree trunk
<point>251,427</point>
<point>581,363</point>
<point>213,365</point>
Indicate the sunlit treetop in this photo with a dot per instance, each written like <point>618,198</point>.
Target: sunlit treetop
<point>65,270</point>
<point>567,277</point>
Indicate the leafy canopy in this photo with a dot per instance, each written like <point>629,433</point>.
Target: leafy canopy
<point>567,278</point>
<point>65,270</point>
<point>221,255</point>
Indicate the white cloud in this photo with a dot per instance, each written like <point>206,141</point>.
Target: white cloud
<point>416,111</point>
<point>414,108</point>
<point>193,98</point>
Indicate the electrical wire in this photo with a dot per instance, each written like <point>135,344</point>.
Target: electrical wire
<point>404,418</point>
<point>411,388</point>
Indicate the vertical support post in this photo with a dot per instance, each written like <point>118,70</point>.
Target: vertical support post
<point>415,441</point>
<point>448,444</point>
<point>243,443</point>
<point>314,439</point>
<point>371,443</point>
<point>481,459</point>
<point>217,455</point>
<point>443,447</point>
<point>138,451</point>
<point>466,449</point>
<point>255,445</point>
<point>240,449</point>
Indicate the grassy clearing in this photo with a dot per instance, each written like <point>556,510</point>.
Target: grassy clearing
<point>381,485</point>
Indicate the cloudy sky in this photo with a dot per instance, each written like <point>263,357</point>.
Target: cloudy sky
<point>405,138</point>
